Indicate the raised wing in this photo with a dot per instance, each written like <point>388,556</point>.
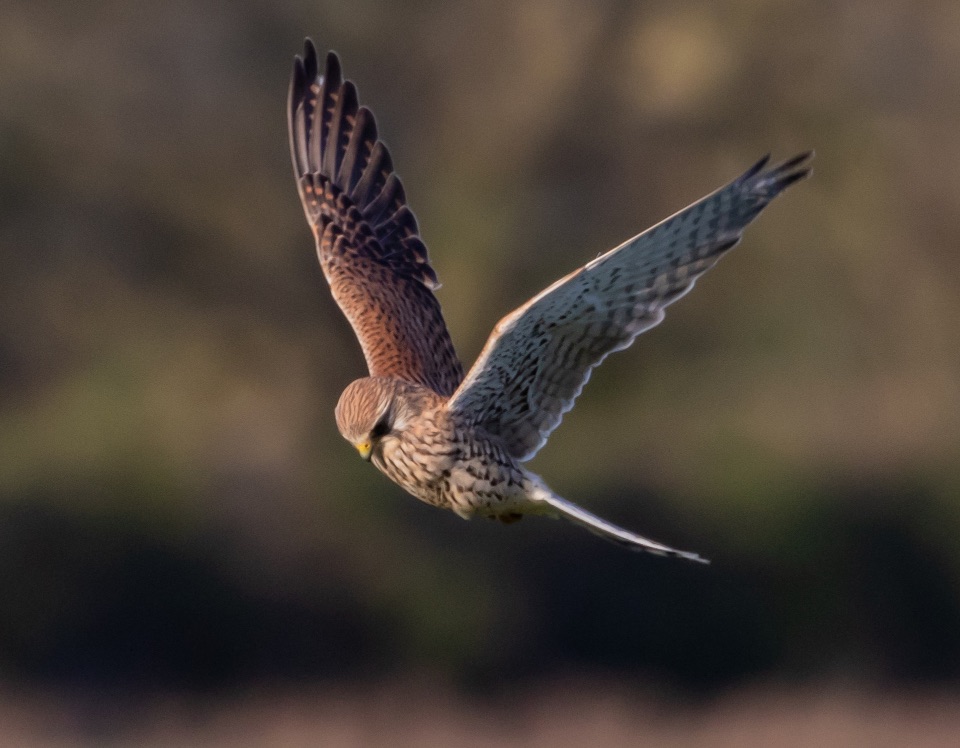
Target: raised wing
<point>539,357</point>
<point>367,238</point>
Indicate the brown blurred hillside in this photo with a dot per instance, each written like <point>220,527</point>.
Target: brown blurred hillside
<point>177,510</point>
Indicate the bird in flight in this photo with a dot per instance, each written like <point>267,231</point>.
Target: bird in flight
<point>460,442</point>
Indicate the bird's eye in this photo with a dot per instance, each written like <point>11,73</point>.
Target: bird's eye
<point>382,427</point>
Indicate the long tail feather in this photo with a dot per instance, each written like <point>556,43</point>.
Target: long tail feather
<point>609,531</point>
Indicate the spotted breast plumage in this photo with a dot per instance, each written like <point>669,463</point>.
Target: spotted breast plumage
<point>456,441</point>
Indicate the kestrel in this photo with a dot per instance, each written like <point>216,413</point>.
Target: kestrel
<point>454,441</point>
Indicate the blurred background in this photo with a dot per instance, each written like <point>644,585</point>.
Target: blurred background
<point>190,554</point>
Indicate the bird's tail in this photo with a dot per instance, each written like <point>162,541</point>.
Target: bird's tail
<point>560,507</point>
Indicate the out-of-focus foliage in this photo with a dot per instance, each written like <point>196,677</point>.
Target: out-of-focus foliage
<point>176,507</point>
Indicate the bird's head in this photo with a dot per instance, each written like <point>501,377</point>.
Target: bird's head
<point>368,411</point>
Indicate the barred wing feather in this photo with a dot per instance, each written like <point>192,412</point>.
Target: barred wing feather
<point>539,357</point>
<point>367,237</point>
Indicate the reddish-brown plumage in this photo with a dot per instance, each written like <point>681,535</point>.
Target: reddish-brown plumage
<point>367,237</point>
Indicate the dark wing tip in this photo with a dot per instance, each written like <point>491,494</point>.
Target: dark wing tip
<point>783,174</point>
<point>796,161</point>
<point>309,59</point>
<point>792,170</point>
<point>755,169</point>
<point>333,72</point>
<point>295,95</point>
<point>768,182</point>
<point>304,72</point>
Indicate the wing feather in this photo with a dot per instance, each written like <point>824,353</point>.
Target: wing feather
<point>540,356</point>
<point>367,237</point>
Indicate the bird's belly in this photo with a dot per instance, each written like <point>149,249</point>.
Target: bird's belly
<point>468,482</point>
<point>485,489</point>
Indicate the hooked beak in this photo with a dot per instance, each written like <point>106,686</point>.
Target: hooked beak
<point>364,448</point>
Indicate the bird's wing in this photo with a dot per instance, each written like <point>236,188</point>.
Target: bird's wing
<point>538,358</point>
<point>367,238</point>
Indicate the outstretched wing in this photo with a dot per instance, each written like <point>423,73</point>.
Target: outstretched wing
<point>538,357</point>
<point>367,238</point>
